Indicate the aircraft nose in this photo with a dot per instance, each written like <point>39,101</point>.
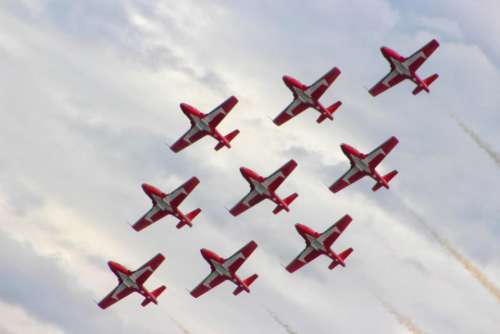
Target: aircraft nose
<point>288,80</point>
<point>299,228</point>
<point>147,188</point>
<point>244,171</point>
<point>112,265</point>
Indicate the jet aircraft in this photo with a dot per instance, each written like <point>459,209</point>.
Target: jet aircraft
<point>165,204</point>
<point>405,68</point>
<point>365,164</point>
<point>133,281</point>
<point>206,124</point>
<point>265,187</point>
<point>320,243</point>
<point>305,97</point>
<point>225,269</point>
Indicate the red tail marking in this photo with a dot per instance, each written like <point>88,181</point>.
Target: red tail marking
<point>287,201</point>
<point>154,296</point>
<point>425,84</point>
<point>228,138</point>
<point>342,256</point>
<point>387,178</point>
<point>246,284</point>
<point>189,218</point>
<point>329,111</point>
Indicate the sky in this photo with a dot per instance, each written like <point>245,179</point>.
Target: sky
<point>89,99</point>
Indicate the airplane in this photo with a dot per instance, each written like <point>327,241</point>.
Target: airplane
<point>205,124</point>
<point>305,97</point>
<point>262,188</point>
<point>225,269</point>
<point>165,204</point>
<point>406,68</point>
<point>319,244</point>
<point>133,281</point>
<point>365,164</point>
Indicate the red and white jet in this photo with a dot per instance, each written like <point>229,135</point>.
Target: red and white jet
<point>308,96</point>
<point>320,243</point>
<point>202,125</point>
<point>133,281</point>
<point>365,164</point>
<point>165,204</point>
<point>265,187</point>
<point>406,68</point>
<point>225,269</point>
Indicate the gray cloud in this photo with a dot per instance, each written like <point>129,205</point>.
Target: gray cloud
<point>53,296</point>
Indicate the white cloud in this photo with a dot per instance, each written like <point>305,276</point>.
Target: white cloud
<point>21,322</point>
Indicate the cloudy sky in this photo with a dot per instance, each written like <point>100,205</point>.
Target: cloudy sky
<point>89,96</point>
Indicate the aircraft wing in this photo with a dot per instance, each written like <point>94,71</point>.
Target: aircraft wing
<point>147,269</point>
<point>306,256</point>
<point>379,153</point>
<point>293,109</point>
<point>333,232</point>
<point>390,80</point>
<point>217,115</point>
<point>210,282</point>
<point>152,216</point>
<point>234,262</point>
<point>178,195</point>
<point>274,180</point>
<point>418,58</point>
<point>351,176</point>
<point>251,199</point>
<point>118,293</point>
<point>191,136</point>
<point>317,89</point>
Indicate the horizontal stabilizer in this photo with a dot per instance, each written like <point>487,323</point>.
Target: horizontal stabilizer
<point>155,295</point>
<point>427,83</point>
<point>189,218</point>
<point>387,178</point>
<point>329,111</point>
<point>287,202</point>
<point>247,282</point>
<point>342,256</point>
<point>229,137</point>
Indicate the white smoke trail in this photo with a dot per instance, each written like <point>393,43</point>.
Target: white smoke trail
<point>475,137</point>
<point>468,266</point>
<point>285,326</point>
<point>179,325</point>
<point>403,321</point>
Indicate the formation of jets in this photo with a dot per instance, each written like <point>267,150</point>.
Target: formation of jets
<point>261,188</point>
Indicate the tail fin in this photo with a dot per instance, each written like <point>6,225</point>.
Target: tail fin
<point>188,219</point>
<point>247,282</point>
<point>387,178</point>
<point>342,256</point>
<point>287,202</point>
<point>229,137</point>
<point>329,111</point>
<point>155,295</point>
<point>427,82</point>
